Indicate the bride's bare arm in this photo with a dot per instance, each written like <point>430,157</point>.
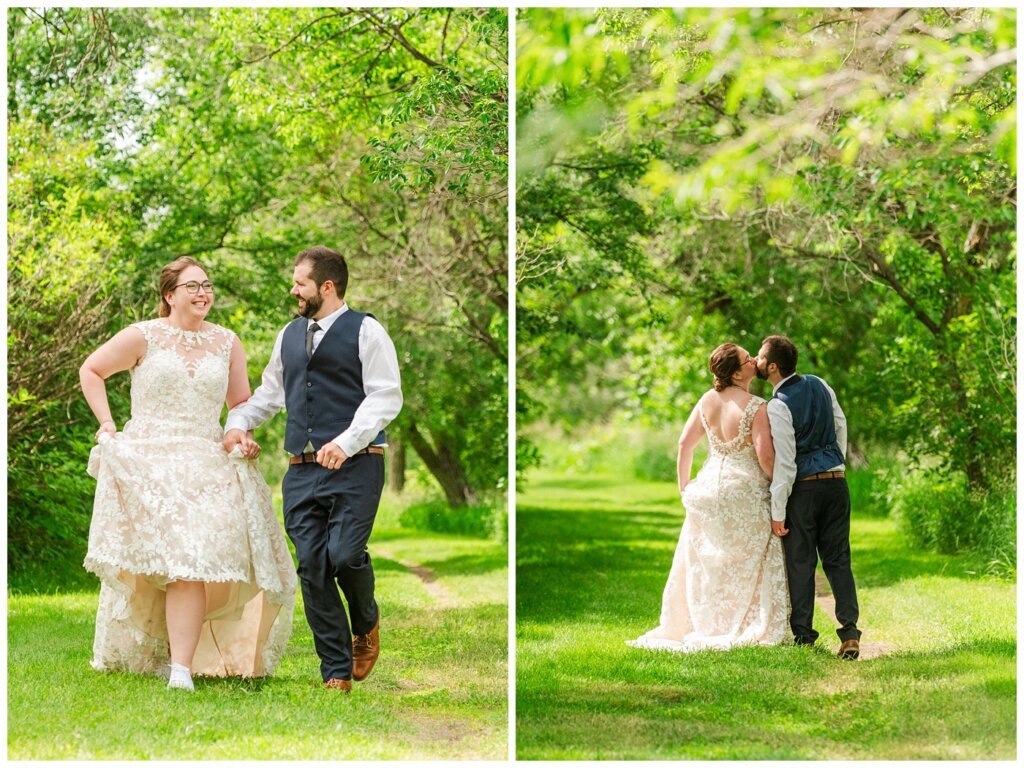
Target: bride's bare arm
<point>238,376</point>
<point>763,445</point>
<point>692,433</point>
<point>120,353</point>
<point>238,392</point>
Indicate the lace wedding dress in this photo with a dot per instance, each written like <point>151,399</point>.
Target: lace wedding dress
<point>171,504</point>
<point>727,586</point>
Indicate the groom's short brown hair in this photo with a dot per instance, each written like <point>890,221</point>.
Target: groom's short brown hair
<point>782,352</point>
<point>324,265</point>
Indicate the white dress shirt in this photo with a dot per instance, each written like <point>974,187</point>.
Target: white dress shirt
<point>784,439</point>
<point>382,386</point>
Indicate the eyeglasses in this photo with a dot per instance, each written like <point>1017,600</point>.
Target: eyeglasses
<point>193,287</point>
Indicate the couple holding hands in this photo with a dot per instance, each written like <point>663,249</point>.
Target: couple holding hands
<point>196,576</point>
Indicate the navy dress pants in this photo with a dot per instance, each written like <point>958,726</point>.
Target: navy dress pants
<point>329,514</point>
<point>818,519</point>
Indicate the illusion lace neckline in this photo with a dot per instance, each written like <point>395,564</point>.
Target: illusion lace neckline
<point>187,337</point>
<point>185,331</point>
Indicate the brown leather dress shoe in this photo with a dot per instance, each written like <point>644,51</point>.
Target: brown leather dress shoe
<point>849,650</point>
<point>339,685</point>
<point>365,650</point>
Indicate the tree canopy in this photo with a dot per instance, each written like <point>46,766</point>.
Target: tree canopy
<point>842,176</point>
<point>242,136</point>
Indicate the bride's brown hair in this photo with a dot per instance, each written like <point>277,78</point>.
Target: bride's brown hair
<point>169,278</point>
<point>725,361</point>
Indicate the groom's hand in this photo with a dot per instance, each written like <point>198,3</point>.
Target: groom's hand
<point>331,456</point>
<point>779,527</point>
<point>250,448</point>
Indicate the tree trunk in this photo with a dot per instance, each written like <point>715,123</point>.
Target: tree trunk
<point>444,465</point>
<point>396,464</point>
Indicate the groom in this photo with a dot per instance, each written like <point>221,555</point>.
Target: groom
<point>810,498</point>
<point>335,371</point>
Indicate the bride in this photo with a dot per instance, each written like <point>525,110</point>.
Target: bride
<point>193,565</point>
<point>727,585</point>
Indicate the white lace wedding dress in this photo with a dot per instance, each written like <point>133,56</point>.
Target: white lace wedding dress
<point>171,504</point>
<point>727,586</point>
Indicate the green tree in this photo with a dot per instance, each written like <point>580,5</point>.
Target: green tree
<point>242,136</point>
<point>399,118</point>
<point>842,176</point>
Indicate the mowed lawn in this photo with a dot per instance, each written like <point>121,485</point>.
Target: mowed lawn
<point>439,690</point>
<point>593,553</point>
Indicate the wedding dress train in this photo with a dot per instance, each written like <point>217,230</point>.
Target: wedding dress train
<point>171,504</point>
<point>727,585</point>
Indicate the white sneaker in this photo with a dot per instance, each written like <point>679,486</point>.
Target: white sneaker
<point>181,677</point>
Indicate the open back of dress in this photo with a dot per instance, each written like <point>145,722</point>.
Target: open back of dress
<point>727,584</point>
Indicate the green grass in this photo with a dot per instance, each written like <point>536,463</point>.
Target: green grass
<point>439,690</point>
<point>592,557</point>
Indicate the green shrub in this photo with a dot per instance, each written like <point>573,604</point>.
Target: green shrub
<point>655,462</point>
<point>940,513</point>
<point>50,494</point>
<point>998,541</point>
<point>934,511</point>
<point>49,506</point>
<point>591,450</point>
<point>481,520</point>
<point>871,483</point>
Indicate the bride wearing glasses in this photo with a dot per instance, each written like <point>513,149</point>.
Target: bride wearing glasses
<point>195,574</point>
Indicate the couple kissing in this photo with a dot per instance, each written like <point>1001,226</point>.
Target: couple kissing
<point>770,499</point>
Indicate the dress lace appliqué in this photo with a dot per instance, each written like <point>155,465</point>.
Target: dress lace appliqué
<point>727,584</point>
<point>171,504</point>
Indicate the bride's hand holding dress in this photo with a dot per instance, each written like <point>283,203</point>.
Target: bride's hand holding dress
<point>175,513</point>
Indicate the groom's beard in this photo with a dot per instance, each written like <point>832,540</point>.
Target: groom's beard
<point>762,375</point>
<point>312,306</point>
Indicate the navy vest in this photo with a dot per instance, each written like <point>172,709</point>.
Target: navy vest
<point>814,424</point>
<point>321,394</point>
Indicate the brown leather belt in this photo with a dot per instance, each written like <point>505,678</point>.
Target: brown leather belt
<point>822,476</point>
<point>310,458</point>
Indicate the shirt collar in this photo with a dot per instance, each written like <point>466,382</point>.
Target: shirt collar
<point>328,320</point>
<point>778,386</point>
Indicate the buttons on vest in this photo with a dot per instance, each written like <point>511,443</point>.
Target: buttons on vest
<point>310,429</point>
<point>309,383</point>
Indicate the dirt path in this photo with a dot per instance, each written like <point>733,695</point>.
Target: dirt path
<point>426,575</point>
<point>823,595</point>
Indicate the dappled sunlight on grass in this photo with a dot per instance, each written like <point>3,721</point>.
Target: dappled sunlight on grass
<point>590,573</point>
<point>439,690</point>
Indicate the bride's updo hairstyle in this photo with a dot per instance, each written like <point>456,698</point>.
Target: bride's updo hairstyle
<point>169,278</point>
<point>726,360</point>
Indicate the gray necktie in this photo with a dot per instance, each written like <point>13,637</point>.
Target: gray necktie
<point>309,339</point>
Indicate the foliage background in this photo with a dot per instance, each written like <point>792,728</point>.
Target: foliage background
<point>846,177</point>
<point>241,136</point>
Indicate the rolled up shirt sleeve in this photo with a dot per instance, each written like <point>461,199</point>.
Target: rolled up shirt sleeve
<point>268,398</point>
<point>382,386</point>
<point>784,475</point>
